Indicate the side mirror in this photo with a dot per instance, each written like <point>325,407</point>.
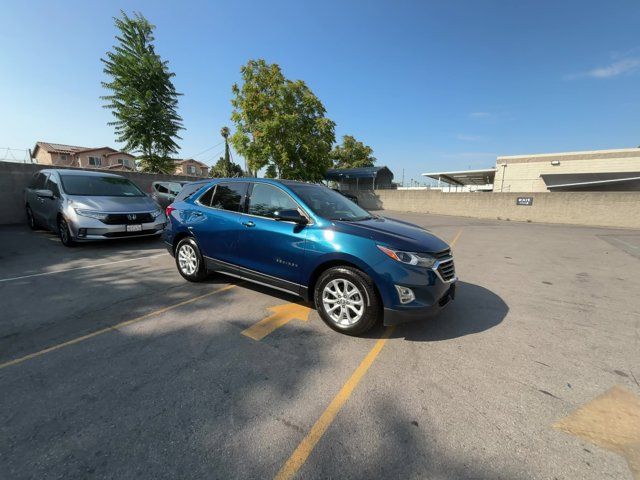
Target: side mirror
<point>290,216</point>
<point>44,193</point>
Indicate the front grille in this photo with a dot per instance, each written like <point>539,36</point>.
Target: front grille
<point>123,218</point>
<point>447,270</point>
<point>443,254</point>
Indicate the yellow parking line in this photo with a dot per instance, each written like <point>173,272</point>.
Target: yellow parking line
<point>304,449</point>
<point>299,456</point>
<point>109,329</point>
<point>455,239</point>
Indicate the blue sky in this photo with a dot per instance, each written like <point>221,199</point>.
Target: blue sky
<point>430,85</point>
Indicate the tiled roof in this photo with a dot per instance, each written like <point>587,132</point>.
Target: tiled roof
<point>182,160</point>
<point>59,147</point>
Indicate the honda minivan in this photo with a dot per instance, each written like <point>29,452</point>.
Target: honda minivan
<point>82,206</point>
<point>310,241</point>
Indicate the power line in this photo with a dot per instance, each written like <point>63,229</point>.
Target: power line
<point>205,151</point>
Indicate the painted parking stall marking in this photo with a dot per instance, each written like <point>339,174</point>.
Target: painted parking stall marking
<point>281,315</point>
<point>81,268</point>
<point>112,328</point>
<point>304,449</point>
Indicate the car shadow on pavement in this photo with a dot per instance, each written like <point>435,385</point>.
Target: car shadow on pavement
<point>474,310</point>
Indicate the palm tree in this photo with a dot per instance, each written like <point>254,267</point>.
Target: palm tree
<point>224,131</point>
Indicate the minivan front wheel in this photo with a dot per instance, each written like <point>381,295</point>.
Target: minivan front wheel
<point>31,221</point>
<point>65,233</point>
<point>189,260</point>
<point>346,300</point>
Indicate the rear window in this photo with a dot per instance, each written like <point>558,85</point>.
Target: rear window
<point>188,190</point>
<point>98,186</point>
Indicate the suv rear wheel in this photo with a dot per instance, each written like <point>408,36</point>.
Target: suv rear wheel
<point>189,260</point>
<point>346,300</point>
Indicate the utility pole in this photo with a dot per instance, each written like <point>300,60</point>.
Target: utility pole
<point>403,177</point>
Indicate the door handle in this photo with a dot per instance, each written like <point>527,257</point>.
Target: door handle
<point>249,224</point>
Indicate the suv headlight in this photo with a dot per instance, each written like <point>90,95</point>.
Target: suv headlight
<point>410,258</point>
<point>156,213</point>
<point>91,214</point>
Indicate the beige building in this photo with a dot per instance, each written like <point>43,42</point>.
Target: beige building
<point>191,167</point>
<point>590,170</point>
<point>60,155</point>
<point>595,170</point>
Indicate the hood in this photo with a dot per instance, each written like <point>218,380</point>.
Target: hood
<point>114,204</point>
<point>394,234</point>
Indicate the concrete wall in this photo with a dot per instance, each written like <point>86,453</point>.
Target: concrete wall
<point>14,177</point>
<point>522,172</point>
<point>607,209</point>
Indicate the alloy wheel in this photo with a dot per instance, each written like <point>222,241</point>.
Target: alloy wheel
<point>187,259</point>
<point>343,302</point>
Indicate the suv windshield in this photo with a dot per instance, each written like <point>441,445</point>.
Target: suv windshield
<point>93,185</point>
<point>329,204</point>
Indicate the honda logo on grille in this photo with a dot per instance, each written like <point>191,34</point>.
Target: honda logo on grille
<point>131,216</point>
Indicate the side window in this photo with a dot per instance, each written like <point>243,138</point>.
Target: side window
<point>52,184</point>
<point>39,181</point>
<point>228,196</point>
<point>174,188</point>
<point>205,198</point>
<point>266,200</point>
<point>161,188</point>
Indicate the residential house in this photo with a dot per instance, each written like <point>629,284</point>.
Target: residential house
<point>191,167</point>
<point>60,155</point>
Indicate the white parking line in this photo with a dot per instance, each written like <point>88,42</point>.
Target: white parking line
<point>80,268</point>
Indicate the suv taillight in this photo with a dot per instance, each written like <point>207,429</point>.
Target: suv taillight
<point>169,209</point>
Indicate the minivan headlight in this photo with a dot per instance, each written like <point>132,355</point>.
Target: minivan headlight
<point>91,214</point>
<point>410,258</point>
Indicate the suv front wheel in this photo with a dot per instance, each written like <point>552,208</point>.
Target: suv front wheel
<point>347,300</point>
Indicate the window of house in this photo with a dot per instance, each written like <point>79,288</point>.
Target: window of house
<point>64,157</point>
<point>191,169</point>
<point>124,161</point>
<point>228,196</point>
<point>266,200</point>
<point>95,161</point>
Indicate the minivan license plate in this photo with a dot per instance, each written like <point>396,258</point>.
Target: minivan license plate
<point>134,228</point>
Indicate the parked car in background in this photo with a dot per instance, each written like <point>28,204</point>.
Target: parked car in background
<point>164,193</point>
<point>309,240</point>
<point>348,195</point>
<point>81,206</point>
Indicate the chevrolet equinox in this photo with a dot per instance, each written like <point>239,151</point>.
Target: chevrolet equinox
<point>311,241</point>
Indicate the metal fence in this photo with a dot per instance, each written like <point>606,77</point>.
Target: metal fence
<point>18,155</point>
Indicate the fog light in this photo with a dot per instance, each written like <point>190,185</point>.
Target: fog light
<point>82,232</point>
<point>405,294</point>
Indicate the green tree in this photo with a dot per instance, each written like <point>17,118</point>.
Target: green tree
<point>224,168</point>
<point>280,124</point>
<point>142,97</point>
<point>352,154</point>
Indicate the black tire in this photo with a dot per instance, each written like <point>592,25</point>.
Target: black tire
<point>31,220</point>
<point>64,233</point>
<point>193,270</point>
<point>366,292</point>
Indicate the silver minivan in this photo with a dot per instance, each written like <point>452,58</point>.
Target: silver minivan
<point>83,206</point>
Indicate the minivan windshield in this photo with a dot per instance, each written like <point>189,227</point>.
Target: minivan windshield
<point>95,185</point>
<point>329,204</point>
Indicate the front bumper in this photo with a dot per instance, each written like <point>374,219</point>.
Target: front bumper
<point>89,229</point>
<point>394,316</point>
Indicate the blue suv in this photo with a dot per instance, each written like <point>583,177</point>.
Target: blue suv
<point>311,241</point>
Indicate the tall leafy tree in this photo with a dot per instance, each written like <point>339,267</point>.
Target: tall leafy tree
<point>141,96</point>
<point>280,124</point>
<point>352,154</point>
<point>224,168</point>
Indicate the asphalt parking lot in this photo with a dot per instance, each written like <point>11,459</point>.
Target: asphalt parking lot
<point>112,366</point>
